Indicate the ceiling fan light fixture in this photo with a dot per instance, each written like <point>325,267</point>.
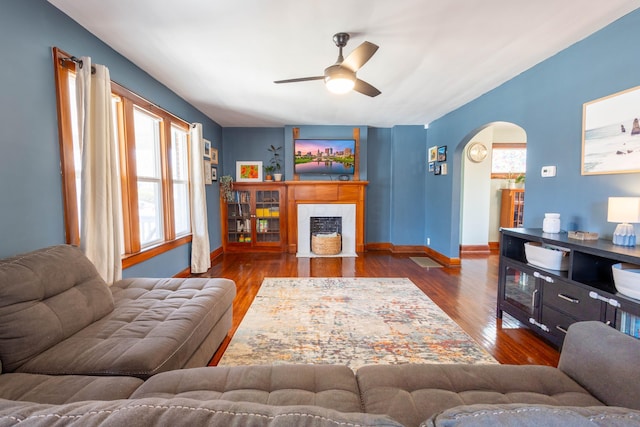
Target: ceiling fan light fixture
<point>340,85</point>
<point>339,80</point>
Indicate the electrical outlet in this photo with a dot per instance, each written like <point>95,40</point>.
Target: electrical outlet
<point>428,241</point>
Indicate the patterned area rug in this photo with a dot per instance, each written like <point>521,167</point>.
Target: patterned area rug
<point>349,321</point>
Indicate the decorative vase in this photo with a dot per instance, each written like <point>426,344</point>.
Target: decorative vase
<point>551,223</point>
<point>277,176</point>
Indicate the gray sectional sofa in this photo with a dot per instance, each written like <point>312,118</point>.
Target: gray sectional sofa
<point>596,382</point>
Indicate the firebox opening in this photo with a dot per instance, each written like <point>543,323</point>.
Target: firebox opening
<point>325,225</point>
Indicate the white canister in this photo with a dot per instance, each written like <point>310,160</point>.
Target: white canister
<point>551,223</point>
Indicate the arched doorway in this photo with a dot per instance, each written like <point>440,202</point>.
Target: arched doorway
<point>480,191</point>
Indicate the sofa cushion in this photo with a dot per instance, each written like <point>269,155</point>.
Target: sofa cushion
<point>414,392</point>
<point>182,412</point>
<point>47,296</point>
<point>328,386</point>
<point>534,416</point>
<point>602,360</point>
<point>156,325</point>
<point>58,389</point>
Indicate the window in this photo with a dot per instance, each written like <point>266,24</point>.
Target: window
<point>508,160</point>
<point>153,146</point>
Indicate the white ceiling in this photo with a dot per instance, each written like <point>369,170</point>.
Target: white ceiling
<point>434,56</point>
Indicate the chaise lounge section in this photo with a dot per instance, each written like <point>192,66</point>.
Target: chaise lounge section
<point>57,316</point>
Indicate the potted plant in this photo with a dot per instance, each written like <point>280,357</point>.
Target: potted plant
<point>520,180</point>
<point>226,188</point>
<point>275,162</point>
<point>510,181</point>
<point>268,172</point>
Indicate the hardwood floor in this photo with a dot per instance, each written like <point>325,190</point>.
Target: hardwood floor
<point>466,294</point>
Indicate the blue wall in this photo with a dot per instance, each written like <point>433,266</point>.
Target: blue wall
<point>32,214</point>
<point>378,201</point>
<point>546,101</point>
<point>407,196</point>
<point>251,144</point>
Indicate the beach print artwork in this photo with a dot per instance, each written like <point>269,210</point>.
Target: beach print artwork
<point>611,134</point>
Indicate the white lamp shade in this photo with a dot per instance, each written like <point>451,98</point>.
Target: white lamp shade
<point>624,209</point>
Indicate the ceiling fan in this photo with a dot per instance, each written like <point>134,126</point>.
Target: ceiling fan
<point>341,76</point>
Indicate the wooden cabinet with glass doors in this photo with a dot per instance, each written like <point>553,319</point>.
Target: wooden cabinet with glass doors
<point>255,218</point>
<point>512,208</point>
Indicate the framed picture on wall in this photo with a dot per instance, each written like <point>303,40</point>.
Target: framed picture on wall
<point>611,134</point>
<point>214,156</point>
<point>207,149</point>
<point>442,153</point>
<point>207,172</point>
<point>248,171</point>
<point>431,166</point>
<point>214,174</point>
<point>437,170</point>
<point>433,154</point>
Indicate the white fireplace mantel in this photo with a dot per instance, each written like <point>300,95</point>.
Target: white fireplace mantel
<point>345,211</point>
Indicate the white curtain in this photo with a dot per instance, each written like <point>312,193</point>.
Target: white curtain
<point>200,258</point>
<point>101,213</point>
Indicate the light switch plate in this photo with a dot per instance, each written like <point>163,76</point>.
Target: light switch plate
<point>548,171</point>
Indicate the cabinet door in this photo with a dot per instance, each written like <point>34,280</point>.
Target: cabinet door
<point>520,293</point>
<point>238,220</point>
<point>267,215</point>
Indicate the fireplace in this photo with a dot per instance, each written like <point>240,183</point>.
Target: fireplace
<point>326,218</point>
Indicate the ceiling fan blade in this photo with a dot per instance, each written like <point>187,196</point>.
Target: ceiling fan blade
<point>301,79</point>
<point>365,88</point>
<point>356,59</point>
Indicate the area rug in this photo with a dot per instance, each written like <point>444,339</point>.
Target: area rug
<point>349,321</point>
<point>424,261</point>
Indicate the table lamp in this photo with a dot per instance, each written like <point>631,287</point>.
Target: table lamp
<point>624,210</point>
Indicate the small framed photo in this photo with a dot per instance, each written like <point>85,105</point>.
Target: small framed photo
<point>207,172</point>
<point>442,153</point>
<point>214,156</point>
<point>214,174</point>
<point>433,154</point>
<point>431,166</point>
<point>248,171</point>
<point>443,169</point>
<point>437,170</point>
<point>207,149</point>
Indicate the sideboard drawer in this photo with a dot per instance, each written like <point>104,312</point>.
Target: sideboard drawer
<point>557,322</point>
<point>572,300</point>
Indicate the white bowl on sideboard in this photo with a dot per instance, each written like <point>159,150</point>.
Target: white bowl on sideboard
<point>547,256</point>
<point>626,278</point>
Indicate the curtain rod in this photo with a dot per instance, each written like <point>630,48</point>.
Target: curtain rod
<point>77,61</point>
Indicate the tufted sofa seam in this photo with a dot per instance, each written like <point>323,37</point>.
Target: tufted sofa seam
<point>189,408</point>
